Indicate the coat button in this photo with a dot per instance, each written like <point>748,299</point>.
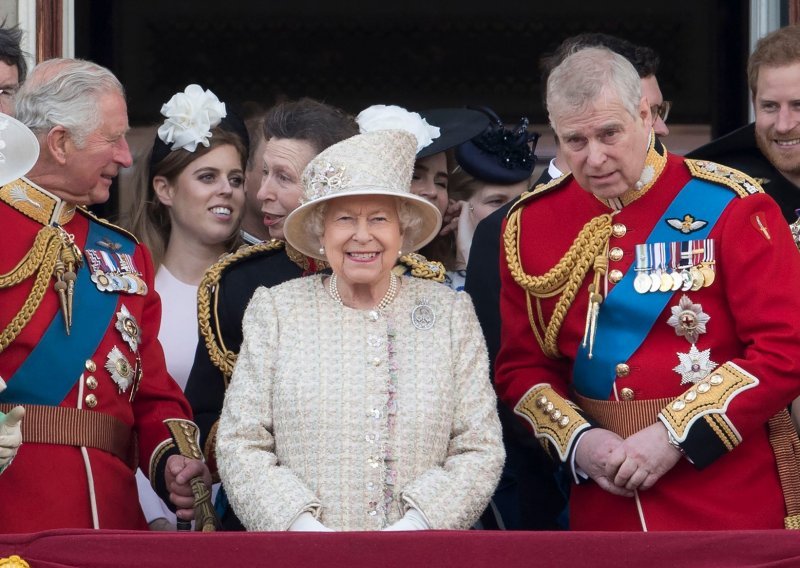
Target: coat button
<point>90,366</point>
<point>615,276</point>
<point>623,370</point>
<point>90,400</point>
<point>615,254</point>
<point>626,394</point>
<point>91,382</point>
<point>619,230</point>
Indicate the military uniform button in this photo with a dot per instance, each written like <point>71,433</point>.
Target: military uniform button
<point>564,421</point>
<point>678,405</point>
<point>626,394</point>
<point>90,400</point>
<point>91,382</point>
<point>623,370</point>
<point>690,396</point>
<point>90,366</point>
<point>555,415</point>
<point>619,230</point>
<point>615,276</point>
<point>615,254</point>
<point>703,388</point>
<point>716,380</point>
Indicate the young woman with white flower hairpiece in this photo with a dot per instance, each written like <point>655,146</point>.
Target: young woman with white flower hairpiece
<point>188,214</point>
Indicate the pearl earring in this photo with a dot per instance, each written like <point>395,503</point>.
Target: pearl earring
<point>321,250</point>
<point>399,253</point>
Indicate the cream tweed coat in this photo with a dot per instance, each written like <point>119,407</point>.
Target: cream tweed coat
<point>356,415</point>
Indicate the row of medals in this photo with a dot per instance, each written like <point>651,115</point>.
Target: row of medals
<point>686,278</point>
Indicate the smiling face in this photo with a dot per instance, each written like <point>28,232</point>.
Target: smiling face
<point>603,145</point>
<point>362,237</point>
<point>281,188</point>
<point>777,107</point>
<point>206,200</point>
<point>430,180</point>
<point>89,169</point>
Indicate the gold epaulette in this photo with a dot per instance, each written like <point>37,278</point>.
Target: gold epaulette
<point>207,297</point>
<point>106,223</point>
<point>420,267</point>
<point>539,190</point>
<point>553,418</point>
<point>736,180</point>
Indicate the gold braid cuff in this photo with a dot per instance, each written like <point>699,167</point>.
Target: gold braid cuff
<point>564,279</point>
<point>553,418</point>
<point>207,300</point>
<point>708,400</point>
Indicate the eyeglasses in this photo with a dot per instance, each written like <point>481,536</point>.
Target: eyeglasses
<point>661,110</point>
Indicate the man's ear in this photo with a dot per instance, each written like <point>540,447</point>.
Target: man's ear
<point>163,190</point>
<point>644,111</point>
<point>57,143</point>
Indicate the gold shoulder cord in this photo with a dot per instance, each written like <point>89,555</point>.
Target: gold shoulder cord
<point>565,278</point>
<point>45,256</point>
<point>220,355</point>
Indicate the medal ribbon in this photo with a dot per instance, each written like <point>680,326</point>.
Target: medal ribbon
<point>53,366</point>
<point>626,317</point>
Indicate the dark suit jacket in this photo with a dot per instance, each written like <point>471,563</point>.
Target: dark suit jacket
<point>533,497</point>
<point>739,150</point>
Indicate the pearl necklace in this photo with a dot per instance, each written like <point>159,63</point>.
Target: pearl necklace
<point>333,290</point>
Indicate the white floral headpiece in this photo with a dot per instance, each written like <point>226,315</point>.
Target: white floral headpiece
<point>383,117</point>
<point>190,117</point>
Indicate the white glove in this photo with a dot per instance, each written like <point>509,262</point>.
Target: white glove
<point>306,522</point>
<point>411,521</point>
<point>10,436</point>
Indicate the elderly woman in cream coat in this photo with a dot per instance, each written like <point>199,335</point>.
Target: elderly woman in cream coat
<point>361,400</point>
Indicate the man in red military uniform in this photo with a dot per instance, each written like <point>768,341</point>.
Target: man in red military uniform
<point>647,337</point>
<point>79,322</point>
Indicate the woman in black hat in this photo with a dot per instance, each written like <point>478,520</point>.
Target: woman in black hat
<point>493,168</point>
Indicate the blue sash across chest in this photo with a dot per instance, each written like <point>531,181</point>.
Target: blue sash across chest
<point>626,316</point>
<point>53,366</point>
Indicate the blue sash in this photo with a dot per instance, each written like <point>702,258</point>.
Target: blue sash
<point>53,366</point>
<point>626,316</point>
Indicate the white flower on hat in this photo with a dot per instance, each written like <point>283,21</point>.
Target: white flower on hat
<point>190,117</point>
<point>391,117</point>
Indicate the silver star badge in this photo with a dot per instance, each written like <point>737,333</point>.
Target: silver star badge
<point>128,328</point>
<point>120,369</point>
<point>695,365</point>
<point>688,319</point>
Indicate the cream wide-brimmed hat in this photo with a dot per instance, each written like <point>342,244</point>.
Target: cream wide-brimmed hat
<point>373,163</point>
<point>19,149</point>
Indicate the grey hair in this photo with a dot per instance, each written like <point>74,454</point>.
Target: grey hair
<point>410,222</point>
<point>585,75</point>
<point>65,92</point>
